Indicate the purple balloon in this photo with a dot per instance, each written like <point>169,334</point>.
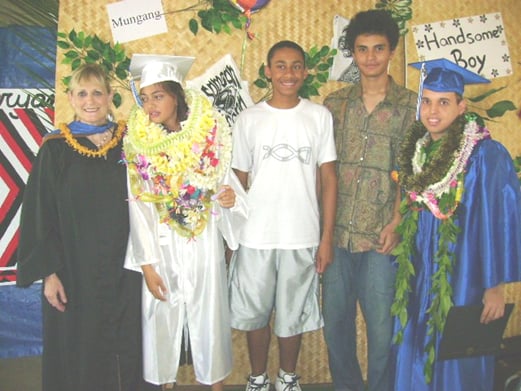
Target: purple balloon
<point>259,4</point>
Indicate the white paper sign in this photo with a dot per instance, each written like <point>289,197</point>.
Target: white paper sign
<point>134,19</point>
<point>222,84</point>
<point>477,43</point>
<point>344,68</point>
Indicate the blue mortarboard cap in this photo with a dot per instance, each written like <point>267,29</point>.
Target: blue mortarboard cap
<point>445,76</point>
<point>442,75</point>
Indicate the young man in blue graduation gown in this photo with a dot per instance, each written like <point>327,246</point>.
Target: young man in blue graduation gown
<point>461,232</point>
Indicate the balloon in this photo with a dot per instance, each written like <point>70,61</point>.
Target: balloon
<point>249,5</point>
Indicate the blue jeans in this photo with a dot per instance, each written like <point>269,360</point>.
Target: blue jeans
<point>369,278</point>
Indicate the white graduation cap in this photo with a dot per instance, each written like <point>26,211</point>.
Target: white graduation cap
<point>153,68</point>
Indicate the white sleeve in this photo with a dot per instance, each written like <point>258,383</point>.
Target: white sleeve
<point>242,156</point>
<point>143,245</point>
<point>327,151</point>
<point>233,219</point>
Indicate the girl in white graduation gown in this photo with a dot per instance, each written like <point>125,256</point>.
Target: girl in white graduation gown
<point>185,201</point>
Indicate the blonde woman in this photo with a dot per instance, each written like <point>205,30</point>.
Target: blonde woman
<point>73,235</point>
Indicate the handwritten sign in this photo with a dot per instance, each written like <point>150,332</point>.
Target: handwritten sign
<point>222,84</point>
<point>477,43</point>
<point>134,19</point>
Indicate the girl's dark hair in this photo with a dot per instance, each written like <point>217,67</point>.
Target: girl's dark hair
<point>377,22</point>
<point>175,89</point>
<point>286,44</point>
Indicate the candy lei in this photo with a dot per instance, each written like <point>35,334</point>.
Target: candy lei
<point>442,199</point>
<point>74,144</point>
<point>179,171</point>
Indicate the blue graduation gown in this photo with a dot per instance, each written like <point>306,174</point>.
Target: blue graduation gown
<point>488,252</point>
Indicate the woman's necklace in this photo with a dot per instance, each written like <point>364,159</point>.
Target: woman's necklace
<point>100,139</point>
<point>103,146</point>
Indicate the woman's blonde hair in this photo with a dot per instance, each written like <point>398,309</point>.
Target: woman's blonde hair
<point>89,72</point>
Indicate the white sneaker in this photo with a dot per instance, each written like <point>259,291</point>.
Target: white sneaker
<point>287,382</point>
<point>258,383</point>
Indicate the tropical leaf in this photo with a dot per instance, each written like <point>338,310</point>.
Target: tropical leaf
<point>400,10</point>
<point>500,108</point>
<point>80,48</point>
<point>481,97</point>
<point>517,165</point>
<point>215,16</point>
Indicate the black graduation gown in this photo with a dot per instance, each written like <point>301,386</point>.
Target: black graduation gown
<point>74,222</point>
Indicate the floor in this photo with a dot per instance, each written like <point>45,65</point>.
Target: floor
<point>23,374</point>
<point>508,366</point>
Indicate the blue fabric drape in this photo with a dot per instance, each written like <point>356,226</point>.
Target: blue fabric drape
<point>28,57</point>
<point>20,321</point>
<point>27,61</point>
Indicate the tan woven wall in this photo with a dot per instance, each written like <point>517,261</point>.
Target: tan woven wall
<point>309,22</point>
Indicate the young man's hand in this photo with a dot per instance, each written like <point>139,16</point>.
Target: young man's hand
<point>494,304</point>
<point>324,256</point>
<point>389,239</point>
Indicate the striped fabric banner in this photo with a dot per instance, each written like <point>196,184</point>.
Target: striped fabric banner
<point>24,120</point>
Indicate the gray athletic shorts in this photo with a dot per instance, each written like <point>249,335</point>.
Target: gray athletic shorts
<point>282,280</point>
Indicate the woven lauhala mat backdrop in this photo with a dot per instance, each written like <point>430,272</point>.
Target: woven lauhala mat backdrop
<point>26,114</point>
<point>310,23</point>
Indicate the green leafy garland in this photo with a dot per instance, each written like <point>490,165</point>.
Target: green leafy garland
<point>435,182</point>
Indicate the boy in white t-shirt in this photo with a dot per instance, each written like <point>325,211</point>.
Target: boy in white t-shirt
<point>284,148</point>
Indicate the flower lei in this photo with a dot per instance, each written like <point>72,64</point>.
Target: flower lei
<point>181,171</point>
<point>438,185</point>
<point>74,144</point>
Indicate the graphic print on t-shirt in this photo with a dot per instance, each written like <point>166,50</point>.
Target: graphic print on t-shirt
<point>285,152</point>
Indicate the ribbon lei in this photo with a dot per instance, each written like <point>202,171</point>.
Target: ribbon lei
<point>423,75</point>
<point>247,13</point>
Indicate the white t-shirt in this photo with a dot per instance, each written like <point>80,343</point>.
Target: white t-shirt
<point>281,149</point>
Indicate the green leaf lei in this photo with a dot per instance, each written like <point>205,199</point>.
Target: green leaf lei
<point>435,183</point>
<point>439,163</point>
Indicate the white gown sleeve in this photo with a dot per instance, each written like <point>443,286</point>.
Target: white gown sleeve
<point>231,220</point>
<point>143,245</point>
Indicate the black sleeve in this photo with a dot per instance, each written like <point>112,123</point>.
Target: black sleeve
<point>39,248</point>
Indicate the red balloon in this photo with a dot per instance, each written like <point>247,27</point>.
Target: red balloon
<point>249,5</point>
